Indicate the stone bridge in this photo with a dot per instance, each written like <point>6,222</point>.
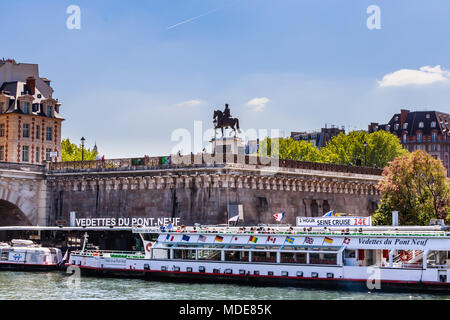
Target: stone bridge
<point>200,193</point>
<point>195,193</point>
<point>22,195</point>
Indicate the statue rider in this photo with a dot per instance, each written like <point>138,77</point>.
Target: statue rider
<point>226,112</point>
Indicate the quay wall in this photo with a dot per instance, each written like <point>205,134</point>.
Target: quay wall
<point>201,194</point>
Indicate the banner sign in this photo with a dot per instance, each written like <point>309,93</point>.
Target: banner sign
<point>334,222</point>
<point>126,222</point>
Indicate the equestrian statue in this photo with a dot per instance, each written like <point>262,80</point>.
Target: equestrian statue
<point>223,120</point>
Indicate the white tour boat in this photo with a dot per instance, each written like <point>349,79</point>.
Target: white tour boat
<point>24,255</point>
<point>376,258</point>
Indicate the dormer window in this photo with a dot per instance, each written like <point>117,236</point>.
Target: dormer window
<point>396,126</point>
<point>420,124</point>
<point>433,124</point>
<point>2,107</point>
<point>26,107</point>
<point>427,116</point>
<point>388,127</point>
<point>396,118</point>
<point>405,125</point>
<point>49,111</point>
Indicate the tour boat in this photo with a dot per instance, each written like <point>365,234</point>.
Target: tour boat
<point>24,255</point>
<point>370,259</point>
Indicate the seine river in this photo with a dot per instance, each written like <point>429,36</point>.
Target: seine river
<point>57,285</point>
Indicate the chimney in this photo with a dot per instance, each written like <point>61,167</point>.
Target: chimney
<point>31,85</point>
<point>403,114</point>
<point>372,126</point>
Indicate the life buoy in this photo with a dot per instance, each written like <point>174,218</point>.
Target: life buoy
<point>148,247</point>
<point>404,256</point>
<point>178,229</point>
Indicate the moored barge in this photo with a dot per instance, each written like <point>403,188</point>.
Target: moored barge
<point>376,258</point>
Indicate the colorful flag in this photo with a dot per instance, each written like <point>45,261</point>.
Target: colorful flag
<point>171,238</point>
<point>272,239</point>
<point>233,219</point>
<point>346,240</point>
<point>329,214</point>
<point>167,237</point>
<point>290,240</point>
<point>278,216</point>
<point>253,239</point>
<point>185,238</point>
<point>219,239</point>
<point>202,238</point>
<point>309,240</point>
<point>328,240</point>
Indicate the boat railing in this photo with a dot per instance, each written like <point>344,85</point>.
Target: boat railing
<point>114,253</point>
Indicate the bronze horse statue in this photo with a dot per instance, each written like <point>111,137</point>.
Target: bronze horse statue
<point>224,123</point>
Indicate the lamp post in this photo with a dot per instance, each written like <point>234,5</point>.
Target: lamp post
<point>82,148</point>
<point>365,154</point>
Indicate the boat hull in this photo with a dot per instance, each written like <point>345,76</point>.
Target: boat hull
<point>265,281</point>
<point>28,267</point>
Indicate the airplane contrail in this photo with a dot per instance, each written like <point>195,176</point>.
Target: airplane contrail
<point>194,18</point>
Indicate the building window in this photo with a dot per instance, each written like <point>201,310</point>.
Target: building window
<point>2,107</point>
<point>433,147</point>
<point>433,124</point>
<point>38,132</point>
<point>434,137</point>
<point>396,126</point>
<point>420,124</point>
<point>2,153</point>
<point>26,107</point>
<point>47,154</point>
<point>2,129</point>
<point>26,130</point>
<point>404,138</point>
<point>405,125</point>
<point>419,137</point>
<point>37,157</point>
<point>49,111</point>
<point>48,134</point>
<point>428,116</point>
<point>25,154</point>
<point>396,118</point>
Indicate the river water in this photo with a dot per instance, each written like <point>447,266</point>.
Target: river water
<point>60,286</point>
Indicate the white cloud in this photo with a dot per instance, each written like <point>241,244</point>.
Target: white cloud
<point>190,103</point>
<point>258,104</point>
<point>424,76</point>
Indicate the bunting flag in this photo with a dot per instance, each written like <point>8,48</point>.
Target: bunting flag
<point>328,240</point>
<point>309,240</point>
<point>185,238</point>
<point>271,239</point>
<point>253,239</point>
<point>218,239</point>
<point>201,238</point>
<point>289,240</point>
<point>346,240</point>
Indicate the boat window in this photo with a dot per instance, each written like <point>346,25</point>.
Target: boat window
<point>236,255</point>
<point>184,254</point>
<point>322,258</point>
<point>270,273</point>
<point>209,255</point>
<point>264,256</point>
<point>299,273</point>
<point>288,257</point>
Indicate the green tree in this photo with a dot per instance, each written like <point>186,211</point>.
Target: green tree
<point>71,152</point>
<point>382,147</point>
<point>288,148</point>
<point>416,186</point>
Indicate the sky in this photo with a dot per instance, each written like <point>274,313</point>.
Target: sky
<point>137,71</point>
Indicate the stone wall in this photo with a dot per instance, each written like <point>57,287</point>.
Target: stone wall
<point>200,195</point>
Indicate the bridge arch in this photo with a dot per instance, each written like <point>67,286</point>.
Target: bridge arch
<point>12,215</point>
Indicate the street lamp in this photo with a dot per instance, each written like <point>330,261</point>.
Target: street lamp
<point>82,148</point>
<point>365,154</point>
